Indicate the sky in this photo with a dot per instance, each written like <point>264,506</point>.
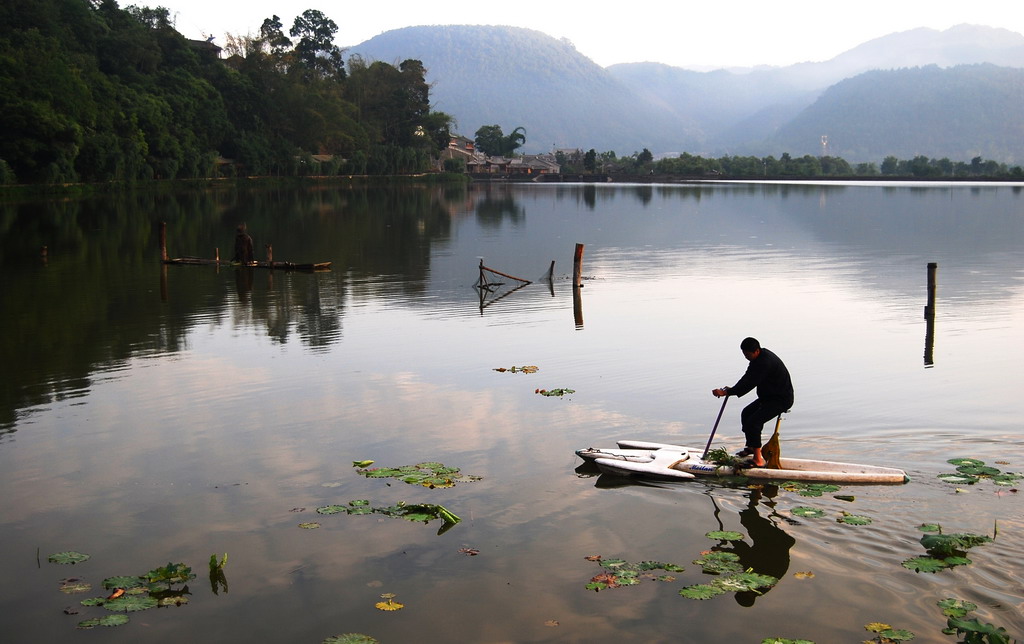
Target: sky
<point>693,34</point>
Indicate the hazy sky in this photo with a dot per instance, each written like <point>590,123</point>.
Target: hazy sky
<point>691,33</point>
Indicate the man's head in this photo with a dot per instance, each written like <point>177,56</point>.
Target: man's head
<point>751,348</point>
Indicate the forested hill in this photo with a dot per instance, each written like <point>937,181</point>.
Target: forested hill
<point>93,92</point>
<point>513,77</point>
<point>958,113</point>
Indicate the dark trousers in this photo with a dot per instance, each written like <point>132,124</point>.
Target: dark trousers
<point>755,415</point>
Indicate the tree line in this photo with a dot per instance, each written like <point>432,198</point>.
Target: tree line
<point>686,164</point>
<point>93,92</point>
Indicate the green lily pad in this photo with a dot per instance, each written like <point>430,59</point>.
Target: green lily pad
<point>123,581</point>
<point>958,479</point>
<point>925,564</point>
<point>130,603</point>
<point>108,620</point>
<point>948,545</point>
<point>70,557</point>
<point>309,525</point>
<point>930,527</point>
<point>956,607</point>
<point>965,461</point>
<point>979,632</point>
<point>350,638</point>
<point>717,563</point>
<point>724,535</point>
<point>1007,478</point>
<point>897,634</point>
<point>701,591</point>
<point>804,511</point>
<point>613,563</point>
<point>854,519</point>
<point>332,509</point>
<point>745,582</point>
<point>978,470</point>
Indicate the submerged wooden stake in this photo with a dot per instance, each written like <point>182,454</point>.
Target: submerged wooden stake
<point>577,266</point>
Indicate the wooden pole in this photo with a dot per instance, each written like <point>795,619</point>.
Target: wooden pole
<point>163,241</point>
<point>270,254</point>
<point>929,316</point>
<point>577,267</point>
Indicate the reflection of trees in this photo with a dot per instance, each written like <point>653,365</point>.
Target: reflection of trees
<point>495,206</point>
<point>96,302</point>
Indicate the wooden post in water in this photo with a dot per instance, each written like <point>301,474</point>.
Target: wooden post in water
<point>577,284</point>
<point>270,253</point>
<point>577,267</point>
<point>929,316</point>
<point>163,241</point>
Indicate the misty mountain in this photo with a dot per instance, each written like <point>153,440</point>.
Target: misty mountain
<point>512,77</point>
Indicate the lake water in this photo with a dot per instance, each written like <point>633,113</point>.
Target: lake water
<point>154,414</point>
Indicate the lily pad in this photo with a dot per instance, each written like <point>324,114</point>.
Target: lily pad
<point>854,519</point>
<point>746,582</point>
<point>109,620</point>
<point>69,557</point>
<point>130,603</point>
<point>123,581</point>
<point>724,535</point>
<point>925,564</point>
<point>717,563</point>
<point>930,527</point>
<point>956,607</point>
<point>958,479</point>
<point>350,638</point>
<point>309,525</point>
<point>965,461</point>
<point>71,586</point>
<point>804,511</point>
<point>948,545</point>
<point>978,470</point>
<point>702,591</point>
<point>332,509</point>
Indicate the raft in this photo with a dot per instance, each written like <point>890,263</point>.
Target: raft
<point>643,458</point>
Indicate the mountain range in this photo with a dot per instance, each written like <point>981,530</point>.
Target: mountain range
<point>957,93</point>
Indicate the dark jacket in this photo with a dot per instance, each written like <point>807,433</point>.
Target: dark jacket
<point>770,376</point>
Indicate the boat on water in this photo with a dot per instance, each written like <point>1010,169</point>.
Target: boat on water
<point>643,458</point>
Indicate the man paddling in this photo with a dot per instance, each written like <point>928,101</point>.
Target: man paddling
<point>769,375</point>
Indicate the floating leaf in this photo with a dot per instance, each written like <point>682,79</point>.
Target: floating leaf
<point>930,527</point>
<point>130,603</point>
<point>109,620</point>
<point>924,564</point>
<point>992,634</point>
<point>724,535</point>
<point>956,607</point>
<point>74,585</point>
<point>555,392</point>
<point>362,463</point>
<point>470,552</point>
<point>123,581</point>
<point>70,557</point>
<point>716,563</point>
<point>783,640</point>
<point>897,635</point>
<point>551,622</point>
<point>876,627</point>
<point>1007,478</point>
<point>845,497</point>
<point>701,591</point>
<point>332,509</point>
<point>977,470</point>
<point>746,581</point>
<point>803,511</point>
<point>389,603</point>
<point>804,575</point>
<point>350,638</point>
<point>613,563</point>
<point>309,525</point>
<point>958,479</point>
<point>854,519</point>
<point>965,461</point>
<point>947,545</point>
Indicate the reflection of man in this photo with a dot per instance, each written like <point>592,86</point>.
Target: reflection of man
<point>774,394</point>
<point>768,552</point>
<point>243,246</point>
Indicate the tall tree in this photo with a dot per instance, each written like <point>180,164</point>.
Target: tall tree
<point>315,50</point>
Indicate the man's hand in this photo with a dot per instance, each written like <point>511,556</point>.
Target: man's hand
<point>721,391</point>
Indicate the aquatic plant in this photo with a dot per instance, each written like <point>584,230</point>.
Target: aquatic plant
<point>429,475</point>
<point>619,572</point>
<point>70,557</point>
<point>885,634</point>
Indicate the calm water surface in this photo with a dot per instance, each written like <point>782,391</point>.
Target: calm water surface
<point>153,415</point>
